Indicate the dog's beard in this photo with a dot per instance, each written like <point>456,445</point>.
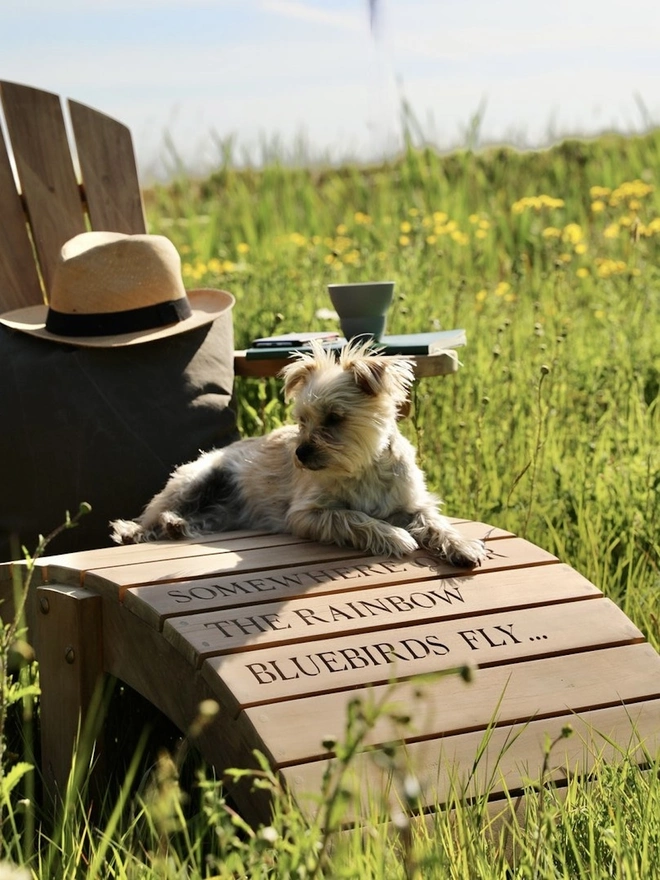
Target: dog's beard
<point>344,452</point>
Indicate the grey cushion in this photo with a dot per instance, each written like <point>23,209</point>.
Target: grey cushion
<point>106,426</point>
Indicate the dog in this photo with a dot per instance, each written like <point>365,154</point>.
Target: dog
<point>343,474</point>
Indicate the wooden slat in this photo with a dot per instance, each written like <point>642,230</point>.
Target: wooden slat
<point>156,603</point>
<point>512,757</point>
<point>109,172</point>
<point>444,363</point>
<point>41,150</point>
<point>19,280</point>
<point>129,554</point>
<point>502,694</point>
<point>284,672</point>
<point>164,551</point>
<point>312,617</point>
<point>509,553</point>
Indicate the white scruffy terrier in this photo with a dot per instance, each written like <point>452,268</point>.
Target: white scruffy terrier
<point>343,474</point>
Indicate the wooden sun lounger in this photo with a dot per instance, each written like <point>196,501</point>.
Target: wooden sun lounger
<point>283,634</point>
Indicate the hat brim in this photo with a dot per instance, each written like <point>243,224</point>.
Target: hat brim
<point>206,304</point>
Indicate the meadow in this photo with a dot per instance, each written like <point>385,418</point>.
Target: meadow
<point>549,260</point>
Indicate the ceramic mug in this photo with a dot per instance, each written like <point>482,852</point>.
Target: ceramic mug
<point>362,307</point>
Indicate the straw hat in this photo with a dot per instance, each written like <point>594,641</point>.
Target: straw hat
<point>111,290</point>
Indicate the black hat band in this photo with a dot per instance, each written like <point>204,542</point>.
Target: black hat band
<point>115,323</point>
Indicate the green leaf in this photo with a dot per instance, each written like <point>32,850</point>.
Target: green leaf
<point>13,776</point>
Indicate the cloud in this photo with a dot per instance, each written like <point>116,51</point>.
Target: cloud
<point>295,9</point>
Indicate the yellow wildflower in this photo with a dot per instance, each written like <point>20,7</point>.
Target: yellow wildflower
<point>431,239</point>
<point>342,243</point>
<point>582,272</point>
<point>405,227</point>
<point>439,217</point>
<point>481,295</point>
<point>413,212</point>
<point>242,247</point>
<point>599,192</point>
<point>460,237</point>
<point>551,232</point>
<point>537,203</point>
<point>631,189</point>
<point>474,219</point>
<point>362,219</point>
<point>580,248</point>
<point>481,233</point>
<point>606,268</point>
<point>598,206</point>
<point>611,231</point>
<point>342,229</point>
<point>404,240</point>
<point>214,265</point>
<point>572,233</point>
<point>502,288</point>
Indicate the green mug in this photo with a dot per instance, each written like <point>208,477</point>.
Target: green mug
<point>362,307</point>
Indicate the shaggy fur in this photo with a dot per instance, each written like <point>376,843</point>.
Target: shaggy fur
<point>343,474</point>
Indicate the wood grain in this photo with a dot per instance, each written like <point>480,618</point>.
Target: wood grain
<point>35,124</point>
<point>109,171</point>
<point>501,694</point>
<point>19,280</point>
<point>249,626</point>
<point>511,757</point>
<point>283,672</point>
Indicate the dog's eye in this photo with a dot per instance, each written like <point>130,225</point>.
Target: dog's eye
<point>333,419</point>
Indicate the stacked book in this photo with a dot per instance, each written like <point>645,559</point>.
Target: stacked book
<point>407,344</point>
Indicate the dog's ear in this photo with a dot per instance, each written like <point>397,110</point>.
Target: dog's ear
<point>382,375</point>
<point>295,375</point>
<point>369,375</point>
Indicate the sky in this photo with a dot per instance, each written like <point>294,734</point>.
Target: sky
<point>313,78</point>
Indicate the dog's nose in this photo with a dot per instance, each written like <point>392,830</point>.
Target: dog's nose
<point>305,453</point>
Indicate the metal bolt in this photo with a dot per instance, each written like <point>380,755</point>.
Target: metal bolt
<point>44,605</point>
<point>69,655</point>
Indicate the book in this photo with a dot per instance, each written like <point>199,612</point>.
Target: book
<point>406,344</point>
<point>294,340</point>
<point>422,343</point>
<point>284,351</point>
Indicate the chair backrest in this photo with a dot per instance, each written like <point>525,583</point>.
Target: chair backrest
<point>61,189</point>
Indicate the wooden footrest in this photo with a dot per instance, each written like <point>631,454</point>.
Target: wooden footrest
<point>284,634</point>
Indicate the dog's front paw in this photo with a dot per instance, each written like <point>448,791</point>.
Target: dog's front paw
<point>126,531</point>
<point>391,541</point>
<point>463,553</point>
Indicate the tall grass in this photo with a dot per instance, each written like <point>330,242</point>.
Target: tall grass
<point>549,260</point>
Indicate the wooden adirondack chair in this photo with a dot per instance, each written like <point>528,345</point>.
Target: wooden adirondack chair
<point>51,205</point>
<point>284,634</point>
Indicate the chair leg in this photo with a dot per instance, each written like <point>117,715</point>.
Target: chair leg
<point>69,643</point>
